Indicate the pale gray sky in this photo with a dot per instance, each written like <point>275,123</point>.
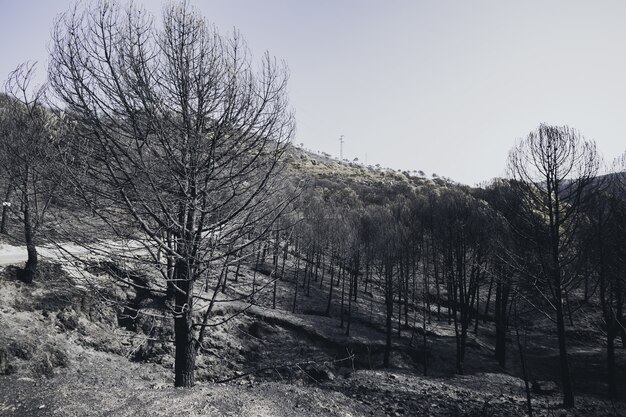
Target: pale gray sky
<point>440,86</point>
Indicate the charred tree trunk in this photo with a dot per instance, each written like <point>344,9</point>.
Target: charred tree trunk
<point>5,210</point>
<point>610,359</point>
<point>323,271</point>
<point>521,349</point>
<point>330,290</point>
<point>236,279</point>
<point>184,362</point>
<point>389,311</point>
<point>274,269</point>
<point>295,291</point>
<point>486,315</point>
<point>343,292</point>
<point>285,254</point>
<point>224,274</point>
<point>30,269</point>
<point>352,277</point>
<point>501,321</point>
<point>568,393</point>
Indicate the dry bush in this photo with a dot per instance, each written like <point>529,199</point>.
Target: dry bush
<point>21,348</point>
<point>49,357</point>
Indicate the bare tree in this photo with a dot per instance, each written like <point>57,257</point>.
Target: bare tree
<point>553,168</point>
<point>182,140</point>
<point>29,145</point>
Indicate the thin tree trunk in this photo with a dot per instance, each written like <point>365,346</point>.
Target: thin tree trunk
<point>569,309</point>
<point>389,305</point>
<point>256,266</point>
<point>330,290</point>
<point>349,306</point>
<point>477,319</point>
<point>274,270</point>
<point>308,281</point>
<point>28,274</point>
<point>317,266</point>
<point>488,301</point>
<point>224,274</point>
<point>5,211</point>
<point>343,291</point>
<point>522,357</point>
<point>323,271</point>
<point>285,254</point>
<point>568,393</point>
<point>610,359</point>
<point>295,293</point>
<point>238,268</point>
<point>425,295</point>
<point>500,317</point>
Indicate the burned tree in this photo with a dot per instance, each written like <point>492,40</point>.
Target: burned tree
<point>181,139</point>
<point>552,169</point>
<point>30,145</point>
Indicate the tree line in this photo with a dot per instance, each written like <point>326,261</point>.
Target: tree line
<point>548,239</point>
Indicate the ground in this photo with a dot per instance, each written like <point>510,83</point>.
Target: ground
<point>66,354</point>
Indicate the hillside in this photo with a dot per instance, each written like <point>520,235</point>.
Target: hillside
<point>66,353</point>
<point>166,250</point>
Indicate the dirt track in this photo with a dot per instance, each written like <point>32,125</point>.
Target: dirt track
<point>11,255</point>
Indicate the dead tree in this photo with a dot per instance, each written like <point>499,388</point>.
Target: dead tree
<point>552,170</point>
<point>30,146</point>
<point>182,137</point>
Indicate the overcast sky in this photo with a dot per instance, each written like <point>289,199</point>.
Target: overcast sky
<point>440,86</point>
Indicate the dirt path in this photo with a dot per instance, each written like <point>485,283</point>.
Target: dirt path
<point>11,255</point>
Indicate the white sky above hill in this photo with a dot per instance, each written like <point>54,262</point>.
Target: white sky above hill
<point>440,86</point>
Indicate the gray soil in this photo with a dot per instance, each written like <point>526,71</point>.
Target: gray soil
<point>63,352</point>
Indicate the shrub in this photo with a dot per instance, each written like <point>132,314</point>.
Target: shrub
<point>49,357</point>
<point>22,349</point>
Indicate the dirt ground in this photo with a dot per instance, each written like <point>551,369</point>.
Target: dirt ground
<point>65,354</point>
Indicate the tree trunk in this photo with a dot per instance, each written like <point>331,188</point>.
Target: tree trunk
<point>566,382</point>
<point>184,362</point>
<point>500,319</point>
<point>285,254</point>
<point>5,211</point>
<point>28,274</point>
<point>330,290</point>
<point>610,358</point>
<point>343,292</point>
<point>522,357</point>
<point>295,287</point>
<point>274,270</point>
<point>224,274</point>
<point>488,301</point>
<point>477,311</point>
<point>350,305</point>
<point>323,271</point>
<point>388,318</point>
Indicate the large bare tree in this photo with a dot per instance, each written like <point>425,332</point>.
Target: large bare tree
<point>553,169</point>
<point>30,142</point>
<point>181,136</point>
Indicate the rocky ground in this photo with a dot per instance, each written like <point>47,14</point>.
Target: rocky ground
<point>64,353</point>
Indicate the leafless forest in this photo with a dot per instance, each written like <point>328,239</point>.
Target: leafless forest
<point>159,229</point>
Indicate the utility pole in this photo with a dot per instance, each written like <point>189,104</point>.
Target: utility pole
<point>341,148</point>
